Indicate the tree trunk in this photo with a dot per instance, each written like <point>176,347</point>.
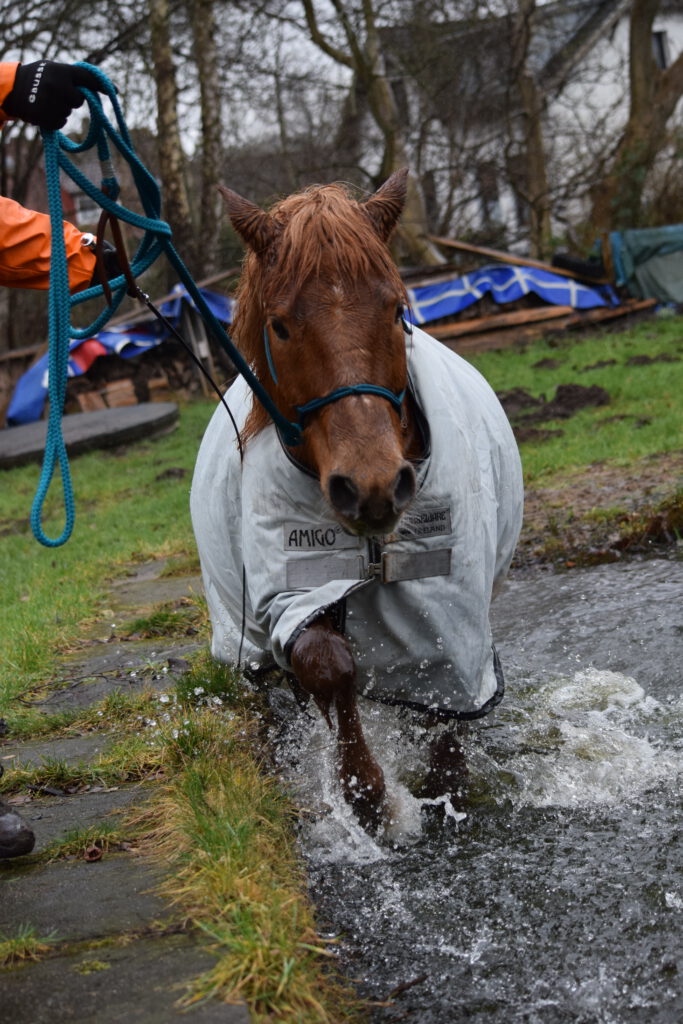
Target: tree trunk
<point>176,206</point>
<point>617,200</point>
<point>348,139</point>
<point>203,24</point>
<point>535,185</point>
<point>365,58</point>
<point>537,179</point>
<point>413,233</point>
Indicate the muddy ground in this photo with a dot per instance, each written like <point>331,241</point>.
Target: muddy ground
<point>605,512</point>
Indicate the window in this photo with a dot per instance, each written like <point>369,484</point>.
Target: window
<point>660,49</point>
<point>489,198</point>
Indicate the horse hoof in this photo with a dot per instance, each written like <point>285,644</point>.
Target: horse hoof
<point>448,773</point>
<point>368,804</point>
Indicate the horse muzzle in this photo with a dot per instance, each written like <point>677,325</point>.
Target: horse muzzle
<point>371,510</point>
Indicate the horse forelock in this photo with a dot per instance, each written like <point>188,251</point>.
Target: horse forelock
<point>323,235</point>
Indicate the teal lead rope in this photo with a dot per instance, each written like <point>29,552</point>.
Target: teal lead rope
<point>156,240</point>
<point>58,359</point>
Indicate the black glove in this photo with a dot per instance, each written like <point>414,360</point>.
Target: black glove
<point>111,265</point>
<point>110,260</point>
<point>46,92</point>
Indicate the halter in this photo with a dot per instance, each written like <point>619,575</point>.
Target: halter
<point>394,397</point>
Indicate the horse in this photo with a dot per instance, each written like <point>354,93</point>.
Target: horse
<point>363,559</point>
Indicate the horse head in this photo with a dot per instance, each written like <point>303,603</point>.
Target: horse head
<point>320,318</point>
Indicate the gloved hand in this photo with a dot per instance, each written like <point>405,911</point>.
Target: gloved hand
<point>110,261</point>
<point>46,92</point>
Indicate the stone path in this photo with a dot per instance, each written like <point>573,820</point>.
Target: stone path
<point>121,954</point>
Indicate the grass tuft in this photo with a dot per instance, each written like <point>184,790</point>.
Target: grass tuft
<point>103,837</point>
<point>132,759</point>
<point>24,945</point>
<point>168,620</point>
<point>225,829</point>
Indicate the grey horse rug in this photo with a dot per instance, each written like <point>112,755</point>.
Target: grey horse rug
<point>414,605</point>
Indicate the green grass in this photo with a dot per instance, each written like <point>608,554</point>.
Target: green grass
<point>645,414</point>
<point>24,944</point>
<point>168,620</point>
<point>123,515</point>
<point>225,828</point>
<point>132,759</point>
<point>75,843</point>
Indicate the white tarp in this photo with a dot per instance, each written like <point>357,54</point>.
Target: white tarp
<point>425,640</point>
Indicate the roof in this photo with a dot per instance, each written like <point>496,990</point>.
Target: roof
<point>455,63</point>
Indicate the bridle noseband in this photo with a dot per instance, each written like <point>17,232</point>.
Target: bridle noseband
<point>394,397</point>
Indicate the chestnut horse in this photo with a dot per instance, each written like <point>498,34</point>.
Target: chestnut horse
<point>320,319</point>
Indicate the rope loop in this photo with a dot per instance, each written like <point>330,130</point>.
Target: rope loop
<point>56,147</point>
<point>156,239</point>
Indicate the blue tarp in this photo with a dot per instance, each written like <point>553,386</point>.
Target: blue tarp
<point>428,302</point>
<point>504,284</point>
<point>127,341</point>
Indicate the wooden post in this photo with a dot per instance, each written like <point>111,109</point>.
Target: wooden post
<point>194,331</point>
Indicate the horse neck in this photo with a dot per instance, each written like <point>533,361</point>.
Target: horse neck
<point>413,441</point>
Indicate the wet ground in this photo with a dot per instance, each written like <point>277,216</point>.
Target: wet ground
<point>587,513</point>
<point>555,894</point>
<point>119,953</point>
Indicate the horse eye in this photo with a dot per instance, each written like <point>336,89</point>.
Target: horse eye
<point>279,329</point>
<point>399,313</point>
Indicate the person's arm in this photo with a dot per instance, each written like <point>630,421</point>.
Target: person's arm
<point>43,93</point>
<point>25,249</point>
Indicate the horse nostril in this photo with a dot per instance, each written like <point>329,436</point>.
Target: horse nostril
<point>343,495</point>
<point>404,487</point>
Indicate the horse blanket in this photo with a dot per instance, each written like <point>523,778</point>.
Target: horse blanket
<point>414,605</point>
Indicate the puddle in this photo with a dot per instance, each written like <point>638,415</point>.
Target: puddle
<point>556,896</point>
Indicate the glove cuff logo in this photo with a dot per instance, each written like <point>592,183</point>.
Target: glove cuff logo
<point>33,95</point>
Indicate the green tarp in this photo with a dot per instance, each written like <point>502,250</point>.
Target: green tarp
<point>649,261</point>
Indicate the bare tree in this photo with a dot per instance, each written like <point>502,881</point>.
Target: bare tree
<point>532,188</point>
<point>171,155</point>
<point>363,55</point>
<point>617,198</point>
<point>204,48</point>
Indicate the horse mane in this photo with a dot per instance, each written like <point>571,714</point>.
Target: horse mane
<point>321,233</point>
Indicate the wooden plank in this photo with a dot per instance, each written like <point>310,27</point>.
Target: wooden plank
<point>519,317</point>
<point>23,353</point>
<point>613,312</point>
<point>515,334</point>
<point>508,257</point>
<point>493,340</point>
<point>497,321</point>
<point>119,393</point>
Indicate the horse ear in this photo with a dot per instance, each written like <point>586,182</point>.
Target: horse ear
<point>385,206</point>
<point>253,225</point>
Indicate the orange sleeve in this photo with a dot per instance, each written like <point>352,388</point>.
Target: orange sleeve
<point>7,73</point>
<point>25,249</point>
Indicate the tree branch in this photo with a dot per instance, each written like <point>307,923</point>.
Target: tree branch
<point>320,40</point>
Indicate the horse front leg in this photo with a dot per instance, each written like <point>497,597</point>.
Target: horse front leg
<point>324,667</point>
<point>448,774</point>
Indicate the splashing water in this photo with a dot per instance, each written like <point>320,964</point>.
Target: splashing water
<point>555,895</point>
